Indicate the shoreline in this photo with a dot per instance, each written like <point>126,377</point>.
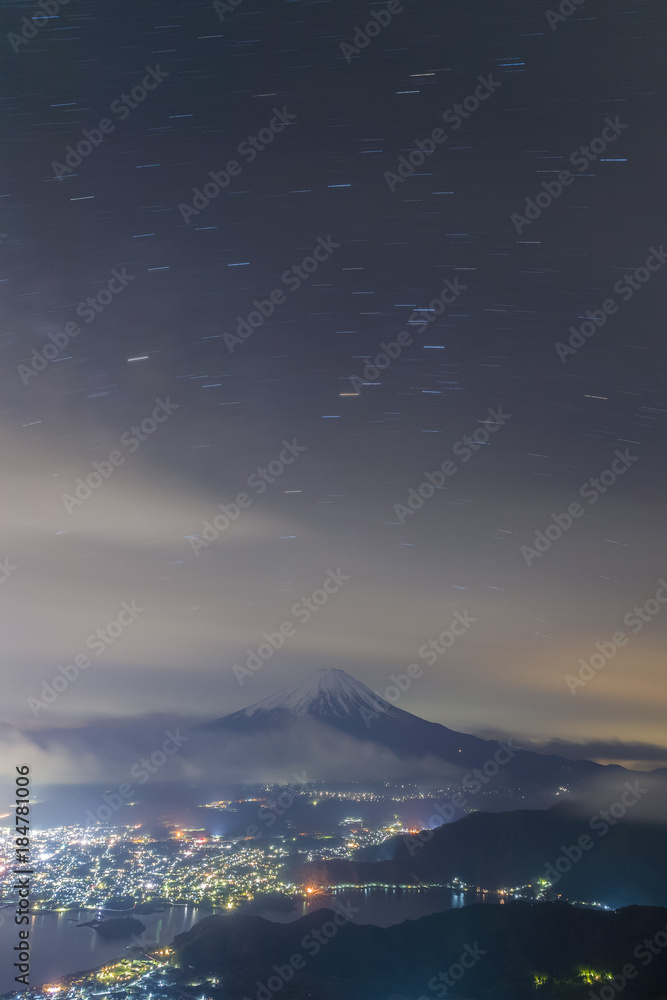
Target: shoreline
<point>152,953</point>
<point>68,978</point>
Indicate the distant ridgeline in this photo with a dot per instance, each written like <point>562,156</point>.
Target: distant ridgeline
<point>616,865</point>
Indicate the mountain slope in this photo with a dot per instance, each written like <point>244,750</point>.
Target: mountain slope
<point>334,700</point>
<point>325,694</point>
<point>503,948</point>
<point>622,864</point>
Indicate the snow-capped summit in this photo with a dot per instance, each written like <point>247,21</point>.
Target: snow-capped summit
<point>329,692</point>
<point>311,715</point>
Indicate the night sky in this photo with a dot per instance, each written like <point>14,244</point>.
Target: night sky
<point>190,277</point>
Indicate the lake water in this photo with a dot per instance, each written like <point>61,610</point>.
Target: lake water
<point>60,948</point>
<point>384,907</point>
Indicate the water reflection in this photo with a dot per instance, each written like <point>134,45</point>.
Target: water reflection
<point>386,905</point>
<point>61,948</point>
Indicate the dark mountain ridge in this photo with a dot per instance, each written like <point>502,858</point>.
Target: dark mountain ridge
<point>332,702</point>
<point>478,952</point>
<point>614,864</point>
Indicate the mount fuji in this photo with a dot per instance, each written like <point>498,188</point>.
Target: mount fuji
<point>331,705</point>
<point>326,694</point>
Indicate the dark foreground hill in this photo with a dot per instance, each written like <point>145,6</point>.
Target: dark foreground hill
<point>621,862</point>
<point>504,952</point>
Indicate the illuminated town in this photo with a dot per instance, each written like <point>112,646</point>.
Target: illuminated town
<point>115,871</point>
<point>86,866</point>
